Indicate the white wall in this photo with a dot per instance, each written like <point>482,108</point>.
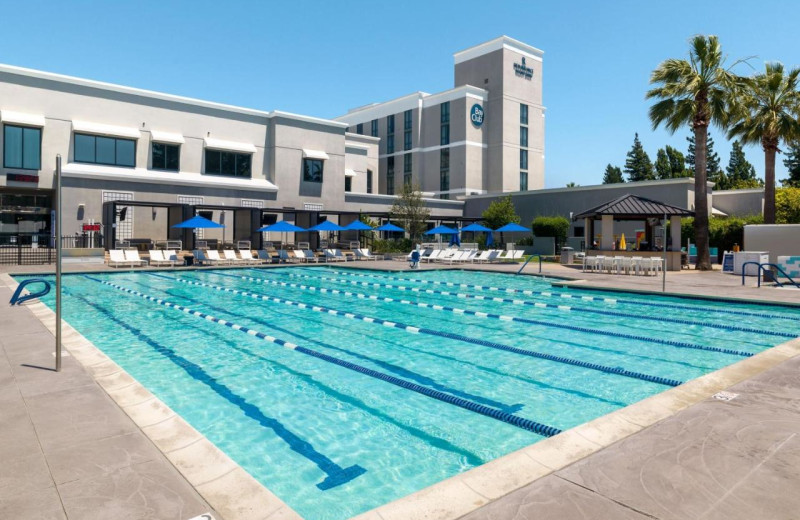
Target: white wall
<point>778,239</point>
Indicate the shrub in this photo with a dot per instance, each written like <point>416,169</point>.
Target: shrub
<point>787,206</point>
<point>392,245</point>
<point>556,227</point>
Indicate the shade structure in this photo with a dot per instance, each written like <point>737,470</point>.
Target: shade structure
<point>198,222</point>
<point>282,227</point>
<point>389,227</point>
<point>511,227</point>
<point>357,225</point>
<point>475,227</point>
<point>326,225</point>
<point>441,230</point>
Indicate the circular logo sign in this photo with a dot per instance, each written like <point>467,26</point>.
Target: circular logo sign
<point>476,114</point>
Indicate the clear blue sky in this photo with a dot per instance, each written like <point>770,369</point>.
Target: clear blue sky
<point>321,58</point>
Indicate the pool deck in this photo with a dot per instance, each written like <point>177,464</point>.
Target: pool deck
<point>72,451</point>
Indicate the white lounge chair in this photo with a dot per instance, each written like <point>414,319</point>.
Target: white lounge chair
<point>364,254</point>
<point>159,257</point>
<point>334,255</point>
<point>172,256</point>
<point>455,257</point>
<point>231,258</point>
<point>116,257</point>
<point>483,256</point>
<point>446,255</point>
<point>214,258</point>
<point>512,256</point>
<point>433,256</point>
<point>248,258</point>
<point>132,256</point>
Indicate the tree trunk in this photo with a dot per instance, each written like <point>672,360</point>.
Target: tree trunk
<point>769,183</point>
<point>701,198</point>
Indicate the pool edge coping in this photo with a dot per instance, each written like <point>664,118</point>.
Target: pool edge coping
<point>228,488</point>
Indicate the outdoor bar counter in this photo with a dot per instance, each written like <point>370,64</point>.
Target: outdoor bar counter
<point>673,257</point>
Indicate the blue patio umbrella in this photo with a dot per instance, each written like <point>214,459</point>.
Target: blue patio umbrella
<point>282,227</point>
<point>357,225</point>
<point>198,222</point>
<point>441,230</point>
<point>455,240</point>
<point>489,239</point>
<point>512,227</point>
<point>476,227</point>
<point>326,225</point>
<point>389,227</point>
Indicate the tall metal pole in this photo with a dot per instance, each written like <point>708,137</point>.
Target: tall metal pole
<point>58,263</point>
<point>664,270</point>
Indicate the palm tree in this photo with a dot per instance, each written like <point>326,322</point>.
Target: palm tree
<point>769,111</point>
<point>697,92</point>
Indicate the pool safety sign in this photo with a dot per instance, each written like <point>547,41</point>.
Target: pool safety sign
<point>476,114</point>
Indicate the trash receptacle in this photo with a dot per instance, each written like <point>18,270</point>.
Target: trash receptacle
<point>567,255</point>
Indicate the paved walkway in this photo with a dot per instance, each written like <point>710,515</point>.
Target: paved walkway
<point>67,450</point>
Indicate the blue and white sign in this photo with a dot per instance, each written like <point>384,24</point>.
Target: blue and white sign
<point>476,114</point>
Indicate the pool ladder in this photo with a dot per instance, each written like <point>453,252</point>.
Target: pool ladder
<point>17,298</point>
<point>528,260</point>
<point>763,267</point>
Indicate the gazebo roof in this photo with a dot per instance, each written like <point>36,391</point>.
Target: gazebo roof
<point>633,207</point>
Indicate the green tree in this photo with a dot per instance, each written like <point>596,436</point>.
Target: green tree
<point>663,168</point>
<point>676,163</point>
<point>409,210</point>
<point>637,164</point>
<point>572,185</point>
<point>613,175</point>
<point>770,108</point>
<point>713,165</point>
<point>556,227</point>
<point>787,206</point>
<point>500,212</point>
<point>698,92</point>
<point>792,163</point>
<point>740,174</point>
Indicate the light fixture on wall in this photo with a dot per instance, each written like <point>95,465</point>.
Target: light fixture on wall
<point>155,212</point>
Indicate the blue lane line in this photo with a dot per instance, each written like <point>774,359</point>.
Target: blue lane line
<point>418,330</point>
<point>336,475</point>
<point>514,420</point>
<point>566,295</point>
<point>541,305</point>
<point>396,369</point>
<point>502,317</point>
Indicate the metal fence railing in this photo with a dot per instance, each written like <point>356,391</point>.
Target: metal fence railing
<point>36,248</point>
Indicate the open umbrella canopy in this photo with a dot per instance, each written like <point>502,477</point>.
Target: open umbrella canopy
<point>282,227</point>
<point>326,225</point>
<point>476,227</point>
<point>357,225</point>
<point>441,230</point>
<point>512,227</point>
<point>389,227</point>
<point>198,222</point>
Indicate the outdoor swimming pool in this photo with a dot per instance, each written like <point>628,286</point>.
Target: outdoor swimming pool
<point>341,390</point>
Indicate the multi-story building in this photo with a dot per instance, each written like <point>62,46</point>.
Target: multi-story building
<point>485,135</point>
<point>158,151</point>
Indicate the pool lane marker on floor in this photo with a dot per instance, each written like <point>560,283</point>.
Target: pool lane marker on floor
<point>336,475</point>
<point>508,418</point>
<point>421,330</point>
<point>557,294</point>
<point>542,305</point>
<point>486,315</point>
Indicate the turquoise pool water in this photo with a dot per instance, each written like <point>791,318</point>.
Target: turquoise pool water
<point>307,387</point>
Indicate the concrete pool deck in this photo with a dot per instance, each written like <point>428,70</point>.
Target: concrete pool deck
<point>679,454</point>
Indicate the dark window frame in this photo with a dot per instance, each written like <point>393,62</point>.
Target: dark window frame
<point>523,114</point>
<point>348,184</point>
<point>523,159</point>
<point>390,176</point>
<point>444,135</point>
<point>523,186</point>
<point>369,181</point>
<point>407,140</point>
<point>523,136</point>
<point>307,161</point>
<point>22,144</point>
<point>374,128</point>
<point>360,128</point>
<point>153,144</point>
<point>116,142</point>
<point>407,120</point>
<point>444,113</point>
<point>237,156</point>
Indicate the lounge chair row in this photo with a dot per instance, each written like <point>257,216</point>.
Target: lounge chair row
<point>452,256</point>
<point>212,257</point>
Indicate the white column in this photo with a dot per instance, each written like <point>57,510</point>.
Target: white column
<point>587,233</point>
<point>675,231</point>
<point>607,241</point>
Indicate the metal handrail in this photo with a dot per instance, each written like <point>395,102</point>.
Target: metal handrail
<point>528,260</point>
<point>763,267</point>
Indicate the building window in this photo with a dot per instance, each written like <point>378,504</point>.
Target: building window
<point>389,144</point>
<point>390,176</point>
<point>444,135</point>
<point>523,136</point>
<point>407,120</point>
<point>348,184</point>
<point>444,172</point>
<point>228,163</point>
<point>360,128</point>
<point>374,128</point>
<point>312,170</point>
<point>390,124</point>
<point>369,181</point>
<point>407,140</point>
<point>407,169</point>
<point>523,181</point>
<point>22,147</point>
<point>166,157</point>
<point>444,109</point>
<point>96,149</point>
<point>523,114</point>
<point>523,159</point>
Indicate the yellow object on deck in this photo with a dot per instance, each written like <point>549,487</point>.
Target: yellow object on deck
<point>622,244</point>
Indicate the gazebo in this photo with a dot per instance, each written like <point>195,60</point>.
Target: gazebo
<point>632,207</point>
